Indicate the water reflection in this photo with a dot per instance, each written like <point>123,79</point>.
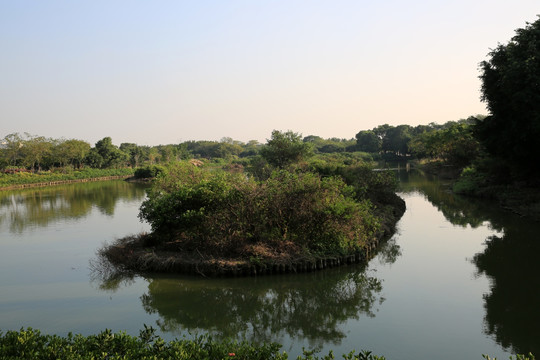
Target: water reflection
<point>513,305</point>
<point>512,308</point>
<point>459,210</point>
<point>38,207</point>
<point>307,306</point>
<point>312,307</point>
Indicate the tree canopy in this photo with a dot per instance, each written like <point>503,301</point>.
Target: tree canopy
<point>511,90</point>
<point>285,148</point>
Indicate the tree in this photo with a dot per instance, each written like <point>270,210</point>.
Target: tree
<point>111,155</point>
<point>511,89</point>
<point>11,149</point>
<point>35,149</point>
<point>368,141</point>
<point>454,144</point>
<point>167,153</point>
<point>397,139</point>
<point>134,152</point>
<point>285,148</point>
<point>71,151</point>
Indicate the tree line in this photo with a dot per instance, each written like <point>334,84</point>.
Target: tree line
<point>36,153</point>
<point>508,136</point>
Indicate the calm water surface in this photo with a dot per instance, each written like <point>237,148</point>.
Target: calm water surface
<point>459,278</point>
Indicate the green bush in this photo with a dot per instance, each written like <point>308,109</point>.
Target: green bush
<point>227,211</point>
<point>150,171</point>
<point>468,182</point>
<point>31,344</point>
<point>358,174</point>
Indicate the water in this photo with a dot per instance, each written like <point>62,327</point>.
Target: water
<point>436,289</point>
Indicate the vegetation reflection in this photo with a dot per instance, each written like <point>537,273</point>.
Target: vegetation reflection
<point>512,311</point>
<point>509,260</point>
<point>459,210</point>
<point>40,206</point>
<point>308,306</point>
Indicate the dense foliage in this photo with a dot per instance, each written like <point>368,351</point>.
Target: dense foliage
<point>285,148</point>
<point>230,212</point>
<point>29,343</point>
<point>511,90</point>
<point>455,145</point>
<point>453,142</point>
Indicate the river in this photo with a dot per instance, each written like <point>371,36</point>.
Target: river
<point>459,279</point>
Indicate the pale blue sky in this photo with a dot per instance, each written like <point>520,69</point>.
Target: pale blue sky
<point>160,72</point>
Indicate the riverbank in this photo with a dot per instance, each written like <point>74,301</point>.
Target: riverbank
<point>29,180</point>
<point>136,254</point>
<point>519,197</point>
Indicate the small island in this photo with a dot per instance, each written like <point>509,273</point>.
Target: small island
<point>280,215</point>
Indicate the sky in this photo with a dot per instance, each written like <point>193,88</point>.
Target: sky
<point>165,72</point>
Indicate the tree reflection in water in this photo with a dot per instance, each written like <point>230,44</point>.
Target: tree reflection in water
<point>513,305</point>
<point>41,206</point>
<point>510,261</point>
<point>307,306</point>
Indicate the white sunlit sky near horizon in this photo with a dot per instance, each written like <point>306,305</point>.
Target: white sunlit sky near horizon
<point>162,72</point>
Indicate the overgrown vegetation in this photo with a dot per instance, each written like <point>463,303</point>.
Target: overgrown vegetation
<point>29,343</point>
<point>279,209</point>
<point>230,213</point>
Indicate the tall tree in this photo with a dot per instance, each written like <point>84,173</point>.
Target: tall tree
<point>70,152</point>
<point>397,139</point>
<point>35,149</point>
<point>11,149</point>
<point>134,152</point>
<point>112,156</point>
<point>368,141</point>
<point>285,148</point>
<point>511,89</point>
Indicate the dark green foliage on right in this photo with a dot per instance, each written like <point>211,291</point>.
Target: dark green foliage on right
<point>511,89</point>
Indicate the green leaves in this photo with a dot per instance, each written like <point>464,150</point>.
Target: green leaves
<point>31,344</point>
<point>511,89</point>
<point>285,148</point>
<point>226,212</point>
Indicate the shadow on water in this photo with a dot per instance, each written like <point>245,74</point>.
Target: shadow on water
<point>38,207</point>
<point>510,261</point>
<point>512,307</point>
<point>307,306</point>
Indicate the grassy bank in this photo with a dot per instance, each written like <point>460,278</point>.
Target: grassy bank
<point>518,195</point>
<point>25,179</point>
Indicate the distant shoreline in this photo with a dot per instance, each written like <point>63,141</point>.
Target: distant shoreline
<point>61,182</point>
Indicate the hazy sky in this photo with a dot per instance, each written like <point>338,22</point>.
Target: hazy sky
<point>161,72</point>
